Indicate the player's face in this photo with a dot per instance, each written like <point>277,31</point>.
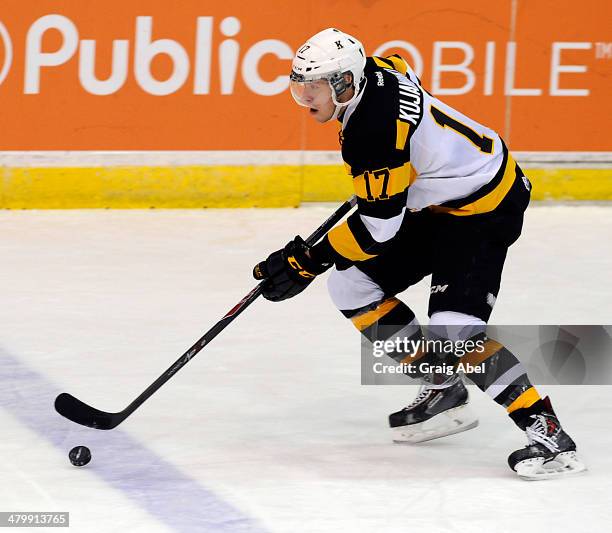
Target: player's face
<point>316,96</point>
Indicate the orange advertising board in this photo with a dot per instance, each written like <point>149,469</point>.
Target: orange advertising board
<point>199,75</point>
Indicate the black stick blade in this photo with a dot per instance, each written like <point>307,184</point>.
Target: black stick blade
<point>74,409</point>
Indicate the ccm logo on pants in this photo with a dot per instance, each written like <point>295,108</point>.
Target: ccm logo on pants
<point>438,288</point>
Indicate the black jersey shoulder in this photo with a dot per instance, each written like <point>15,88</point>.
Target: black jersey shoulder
<point>409,88</point>
<point>377,131</point>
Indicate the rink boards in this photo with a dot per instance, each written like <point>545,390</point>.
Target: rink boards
<point>183,179</point>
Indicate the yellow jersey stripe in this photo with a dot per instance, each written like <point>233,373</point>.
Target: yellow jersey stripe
<point>413,174</point>
<point>380,186</point>
<point>381,62</point>
<point>402,129</point>
<point>398,64</point>
<point>343,242</point>
<point>489,201</point>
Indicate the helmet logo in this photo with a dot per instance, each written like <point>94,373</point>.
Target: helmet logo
<point>339,45</point>
<point>303,49</point>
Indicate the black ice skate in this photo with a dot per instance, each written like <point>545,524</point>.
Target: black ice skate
<point>437,411</point>
<point>550,451</point>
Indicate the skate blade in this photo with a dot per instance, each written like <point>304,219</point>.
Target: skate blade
<point>447,423</point>
<point>536,469</point>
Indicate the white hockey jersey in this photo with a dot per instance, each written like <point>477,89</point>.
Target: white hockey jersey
<point>405,149</point>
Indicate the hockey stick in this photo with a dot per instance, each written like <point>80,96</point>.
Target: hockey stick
<point>74,409</point>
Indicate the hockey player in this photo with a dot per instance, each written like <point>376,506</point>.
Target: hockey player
<point>439,194</point>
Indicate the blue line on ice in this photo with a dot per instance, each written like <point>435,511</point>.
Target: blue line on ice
<point>157,486</point>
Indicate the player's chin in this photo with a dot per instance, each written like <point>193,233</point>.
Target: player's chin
<point>318,115</point>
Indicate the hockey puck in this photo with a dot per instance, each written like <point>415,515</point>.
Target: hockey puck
<point>79,455</point>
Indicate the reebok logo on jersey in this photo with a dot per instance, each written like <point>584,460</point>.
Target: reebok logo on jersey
<point>527,183</point>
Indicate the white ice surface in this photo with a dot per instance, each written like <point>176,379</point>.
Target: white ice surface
<point>270,418</point>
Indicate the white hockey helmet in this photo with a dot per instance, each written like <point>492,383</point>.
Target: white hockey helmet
<point>328,55</point>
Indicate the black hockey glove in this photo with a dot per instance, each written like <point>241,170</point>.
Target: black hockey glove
<point>288,271</point>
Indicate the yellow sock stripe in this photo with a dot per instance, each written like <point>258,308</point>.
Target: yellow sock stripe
<point>365,320</point>
<point>475,358</point>
<point>527,399</point>
<point>343,241</point>
<point>411,359</point>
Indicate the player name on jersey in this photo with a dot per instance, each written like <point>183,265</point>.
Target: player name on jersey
<point>409,99</point>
